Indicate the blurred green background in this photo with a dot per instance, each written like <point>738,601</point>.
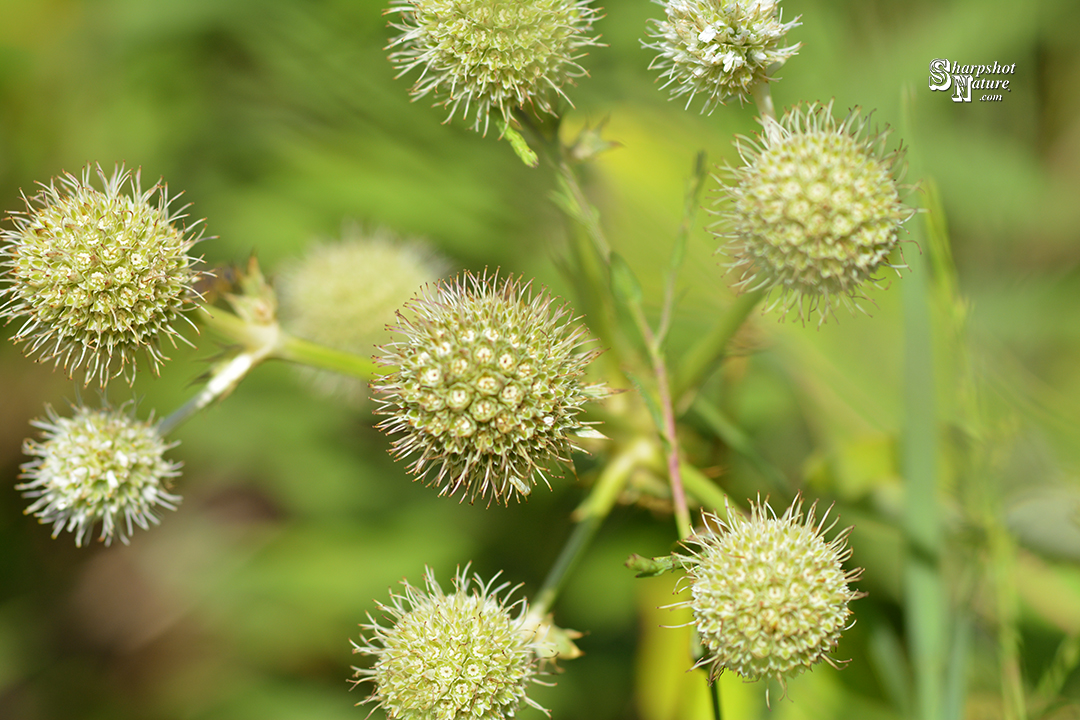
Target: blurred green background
<point>280,120</point>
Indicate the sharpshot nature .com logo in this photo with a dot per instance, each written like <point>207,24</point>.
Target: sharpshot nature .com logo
<point>961,79</point>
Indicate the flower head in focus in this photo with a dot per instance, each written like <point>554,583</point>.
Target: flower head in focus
<point>492,56</point>
<point>98,466</point>
<point>486,386</point>
<point>815,210</point>
<point>466,654</point>
<point>719,49</point>
<point>769,594</point>
<point>97,275</point>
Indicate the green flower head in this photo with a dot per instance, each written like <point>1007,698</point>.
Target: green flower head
<point>769,594</point>
<point>97,275</point>
<point>98,466</point>
<point>492,56</point>
<point>719,49</point>
<point>815,211</point>
<point>464,655</point>
<point>485,386</point>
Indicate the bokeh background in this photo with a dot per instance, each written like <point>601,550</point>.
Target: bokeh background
<point>281,122</point>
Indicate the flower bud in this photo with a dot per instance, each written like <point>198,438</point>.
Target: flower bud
<point>97,275</point>
<point>815,211</point>
<point>485,386</point>
<point>344,294</point>
<point>101,465</point>
<point>495,56</point>
<point>719,49</point>
<point>443,657</point>
<point>769,595</point>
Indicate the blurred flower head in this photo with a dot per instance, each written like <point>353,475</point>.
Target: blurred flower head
<point>769,594</point>
<point>718,49</point>
<point>814,211</point>
<point>492,56</point>
<point>486,386</point>
<point>96,276</point>
<point>467,654</point>
<point>98,466</point>
<point>343,295</point>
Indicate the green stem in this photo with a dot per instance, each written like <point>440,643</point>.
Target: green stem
<point>763,100</point>
<point>221,383</point>
<point>590,514</point>
<point>714,692</point>
<point>301,351</point>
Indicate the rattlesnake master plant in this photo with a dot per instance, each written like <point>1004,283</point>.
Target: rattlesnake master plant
<point>815,210</point>
<point>467,654</point>
<point>769,594</point>
<point>491,56</point>
<point>486,386</point>
<point>718,49</point>
<point>98,466</point>
<point>97,275</point>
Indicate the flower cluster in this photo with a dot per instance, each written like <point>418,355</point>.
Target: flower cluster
<point>485,385</point>
<point>719,49</point>
<point>769,595</point>
<point>495,56</point>
<point>99,466</point>
<point>467,654</point>
<point>97,275</point>
<point>815,210</point>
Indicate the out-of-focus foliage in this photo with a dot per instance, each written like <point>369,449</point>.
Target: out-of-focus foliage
<point>280,120</point>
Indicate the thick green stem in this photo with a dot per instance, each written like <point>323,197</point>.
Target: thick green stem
<point>221,383</point>
<point>301,351</point>
<point>590,515</point>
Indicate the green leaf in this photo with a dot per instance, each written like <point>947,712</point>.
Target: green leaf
<point>521,147</point>
<point>652,567</point>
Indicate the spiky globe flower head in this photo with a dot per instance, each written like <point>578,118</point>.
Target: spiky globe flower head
<point>343,295</point>
<point>493,56</point>
<point>464,655</point>
<point>98,466</point>
<point>719,49</point>
<point>815,210</point>
<point>97,275</point>
<point>769,594</point>
<point>486,386</point>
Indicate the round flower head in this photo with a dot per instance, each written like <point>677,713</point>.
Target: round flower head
<point>449,657</point>
<point>97,274</point>
<point>719,49</point>
<point>815,211</point>
<point>344,294</point>
<point>101,465</point>
<point>486,385</point>
<point>495,56</point>
<point>769,595</point>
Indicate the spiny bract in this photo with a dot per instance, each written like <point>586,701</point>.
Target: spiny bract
<point>98,274</point>
<point>719,49</point>
<point>101,465</point>
<point>495,56</point>
<point>769,595</point>
<point>449,657</point>
<point>486,386</point>
<point>815,210</point>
